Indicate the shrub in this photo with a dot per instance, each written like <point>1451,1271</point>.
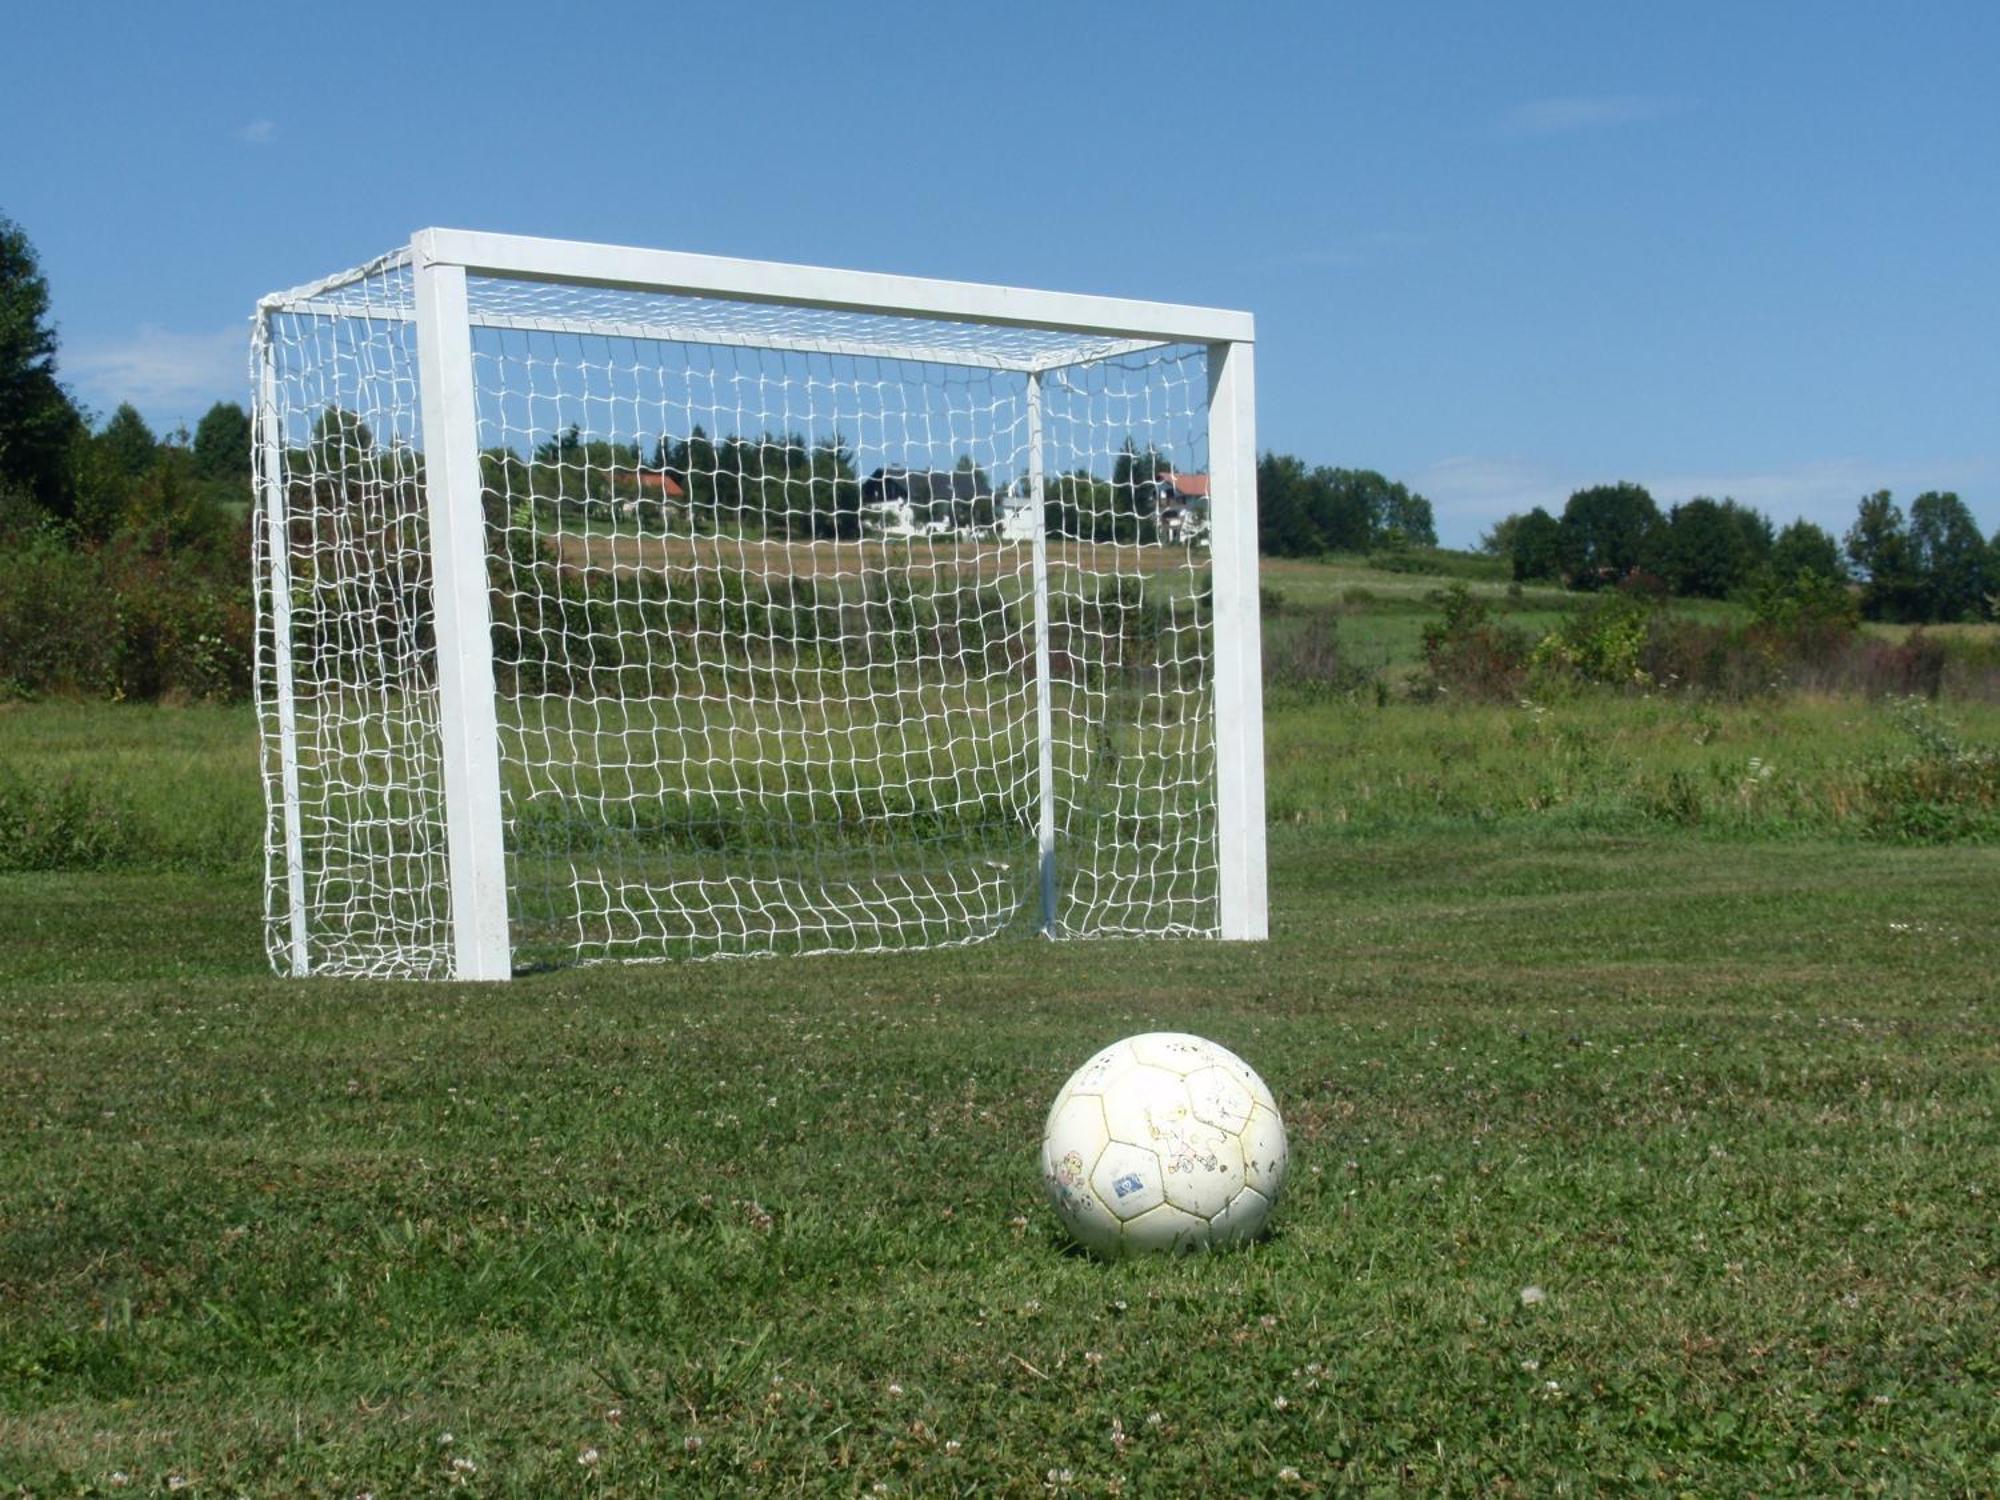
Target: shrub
<point>1467,653</point>
<point>1308,660</point>
<point>1945,789</point>
<point>128,619</point>
<point>1601,641</point>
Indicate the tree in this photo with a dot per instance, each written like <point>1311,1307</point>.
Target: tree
<point>222,443</point>
<point>1804,548</point>
<point>1878,544</point>
<point>1949,557</point>
<point>1402,516</point>
<point>1135,494</point>
<point>1607,532</point>
<point>1537,546</point>
<point>1498,539</point>
<point>128,442</point>
<point>1284,528</point>
<point>1708,548</point>
<point>38,423</point>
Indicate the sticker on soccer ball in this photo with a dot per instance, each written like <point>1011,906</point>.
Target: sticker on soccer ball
<point>1163,1141</point>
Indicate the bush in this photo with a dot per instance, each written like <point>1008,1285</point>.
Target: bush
<point>1944,790</point>
<point>1467,653</point>
<point>128,619</point>
<point>1308,661</point>
<point>1603,641</point>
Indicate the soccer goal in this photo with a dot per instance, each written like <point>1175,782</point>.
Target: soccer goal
<point>620,604</point>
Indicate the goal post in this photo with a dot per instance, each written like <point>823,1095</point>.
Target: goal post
<point>622,604</point>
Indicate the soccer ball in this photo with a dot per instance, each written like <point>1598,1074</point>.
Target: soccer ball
<point>1163,1142</point>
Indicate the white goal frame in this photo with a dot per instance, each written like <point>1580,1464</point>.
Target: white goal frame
<point>439,263</point>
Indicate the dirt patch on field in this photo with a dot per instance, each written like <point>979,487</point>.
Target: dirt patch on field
<point>971,561</point>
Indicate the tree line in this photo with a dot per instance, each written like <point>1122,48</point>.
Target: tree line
<point>1929,565</point>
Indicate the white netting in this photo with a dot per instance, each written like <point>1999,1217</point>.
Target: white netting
<point>345,682</point>
<point>765,628</point>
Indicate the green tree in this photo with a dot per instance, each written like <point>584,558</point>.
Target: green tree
<point>1402,517</point>
<point>39,425</point>
<point>1805,548</point>
<point>1135,494</point>
<point>128,442</point>
<point>1949,557</point>
<point>222,443</point>
<point>1284,527</point>
<point>1878,544</point>
<point>1706,550</point>
<point>1498,539</point>
<point>1755,535</point>
<point>1607,532</point>
<point>1537,546</point>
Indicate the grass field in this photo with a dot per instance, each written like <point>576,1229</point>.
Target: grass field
<point>1644,1110</point>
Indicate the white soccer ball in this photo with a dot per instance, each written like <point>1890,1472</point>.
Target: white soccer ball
<point>1163,1142</point>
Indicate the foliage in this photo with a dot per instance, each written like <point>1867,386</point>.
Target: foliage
<point>222,443</point>
<point>38,423</point>
<point>1803,547</point>
<point>128,619</point>
<point>1607,531</point>
<point>1957,569</point>
<point>128,443</point>
<point>1303,512</point>
<point>1466,652</point>
<point>1536,547</point>
<point>1878,544</point>
<point>1602,641</point>
<point>1710,548</point>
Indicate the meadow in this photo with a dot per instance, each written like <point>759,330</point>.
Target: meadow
<point>1640,1055</point>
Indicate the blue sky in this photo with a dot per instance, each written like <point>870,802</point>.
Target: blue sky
<point>1497,252</point>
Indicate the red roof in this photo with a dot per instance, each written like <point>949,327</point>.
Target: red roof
<point>1190,486</point>
<point>652,482</point>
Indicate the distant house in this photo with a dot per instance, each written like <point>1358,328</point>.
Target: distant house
<point>899,502</point>
<point>639,490</point>
<point>1020,520</point>
<point>1183,507</point>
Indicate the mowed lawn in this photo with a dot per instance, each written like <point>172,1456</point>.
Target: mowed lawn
<point>1661,1161</point>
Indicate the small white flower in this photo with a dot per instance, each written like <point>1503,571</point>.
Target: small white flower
<point>1279,1403</point>
<point>464,1466</point>
<point>1883,1400</point>
<point>691,1443</point>
<point>1092,1358</point>
<point>177,1482</point>
<point>1531,1365</point>
<point>895,1389</point>
<point>952,1445</point>
<point>1531,1295</point>
<point>1288,1475</point>
<point>1154,1419</point>
<point>588,1458</point>
<point>444,1440</point>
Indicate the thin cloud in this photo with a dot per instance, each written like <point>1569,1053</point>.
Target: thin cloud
<point>1348,251</point>
<point>169,376</point>
<point>258,132</point>
<point>1561,116</point>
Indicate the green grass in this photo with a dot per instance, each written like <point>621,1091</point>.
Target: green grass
<point>1728,1093</point>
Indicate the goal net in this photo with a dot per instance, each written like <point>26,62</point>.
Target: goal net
<point>620,605</point>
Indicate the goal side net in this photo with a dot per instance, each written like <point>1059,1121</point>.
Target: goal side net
<point>622,605</point>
